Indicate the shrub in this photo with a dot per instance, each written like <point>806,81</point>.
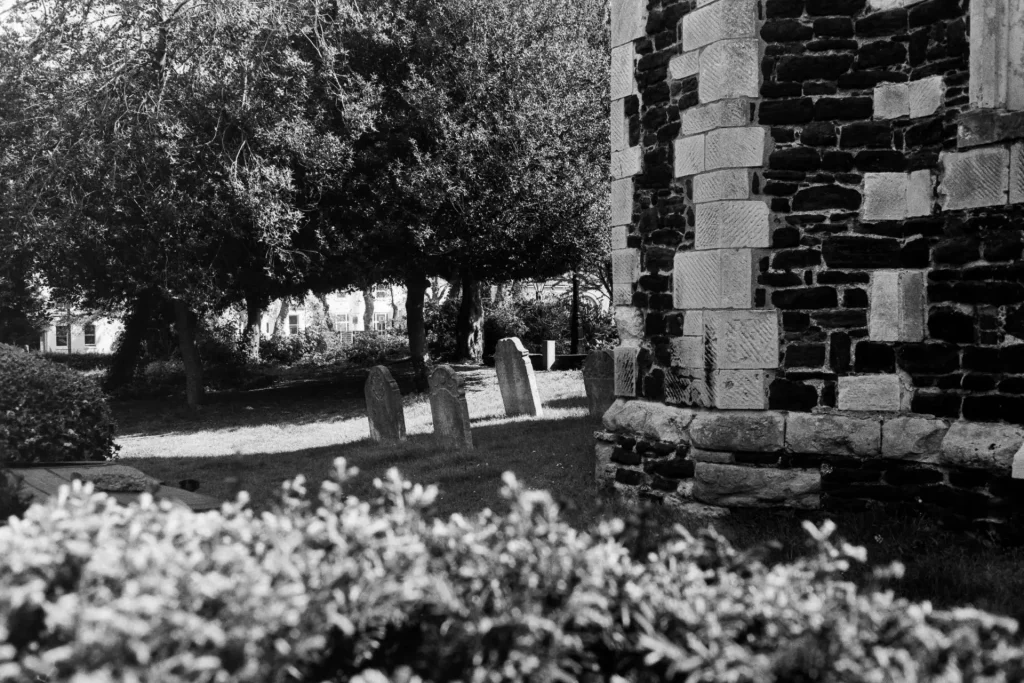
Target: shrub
<point>365,592</point>
<point>503,321</point>
<point>373,348</point>
<point>290,349</point>
<point>83,362</point>
<point>13,498</point>
<point>49,412</point>
<point>439,322</point>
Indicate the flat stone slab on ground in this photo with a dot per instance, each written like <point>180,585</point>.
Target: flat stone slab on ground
<point>516,380</point>
<point>384,408</point>
<point>448,408</point>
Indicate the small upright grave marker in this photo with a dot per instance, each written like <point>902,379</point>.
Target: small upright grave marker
<point>384,406</point>
<point>448,408</point>
<point>549,354</point>
<point>516,379</point>
<point>599,381</point>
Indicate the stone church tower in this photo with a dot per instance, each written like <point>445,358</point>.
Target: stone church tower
<point>817,219</point>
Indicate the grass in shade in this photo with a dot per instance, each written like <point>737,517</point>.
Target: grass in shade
<point>256,440</point>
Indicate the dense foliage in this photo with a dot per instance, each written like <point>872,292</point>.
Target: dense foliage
<point>345,590</point>
<point>50,412</point>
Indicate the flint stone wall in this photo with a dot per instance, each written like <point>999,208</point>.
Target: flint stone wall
<point>827,215</point>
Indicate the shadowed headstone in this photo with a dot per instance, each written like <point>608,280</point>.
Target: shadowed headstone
<point>599,381</point>
<point>384,406</point>
<point>448,408</point>
<point>515,378</point>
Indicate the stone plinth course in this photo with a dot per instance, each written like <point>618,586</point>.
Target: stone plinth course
<point>913,438</point>
<point>738,430</point>
<point>980,445</point>
<point>599,381</point>
<point>833,435</point>
<point>516,380</point>
<point>449,410</point>
<point>732,485</point>
<point>384,408</point>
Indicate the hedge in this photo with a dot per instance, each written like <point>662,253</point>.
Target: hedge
<point>50,412</point>
<point>346,590</point>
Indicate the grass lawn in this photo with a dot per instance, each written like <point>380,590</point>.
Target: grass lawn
<point>255,440</point>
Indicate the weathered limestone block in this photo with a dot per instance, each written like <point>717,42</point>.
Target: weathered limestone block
<point>732,183</point>
<point>732,485</point>
<point>989,54</point>
<point>627,162</point>
<point>729,69</point>
<point>625,266</point>
<point>833,434</point>
<point>623,83</point>
<point>739,389</point>
<point>684,65</point>
<point>627,21</point>
<point>619,135</point>
<point>705,117</point>
<point>885,196</point>
<point>687,386</point>
<point>622,201</point>
<point>741,340</point>
<point>925,96</point>
<point>649,419</point>
<point>693,324</point>
<point>715,278</point>
<point>619,235</point>
<point>688,157</point>
<point>688,352</point>
<point>734,147</point>
<point>919,193</point>
<point>718,20</point>
<point>739,268</point>
<point>626,372</point>
<point>870,392</point>
<point>977,177</point>
<point>1017,173</point>
<point>982,445</point>
<point>622,294</point>
<point>604,468</point>
<point>891,100</point>
<point>897,305</point>
<point>718,457</point>
<point>1015,57</point>
<point>629,322</point>
<point>760,432</point>
<point>732,224</point>
<point>913,438</point>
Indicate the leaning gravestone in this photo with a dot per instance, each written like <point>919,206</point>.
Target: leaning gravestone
<point>448,408</point>
<point>515,378</point>
<point>384,406</point>
<point>599,381</point>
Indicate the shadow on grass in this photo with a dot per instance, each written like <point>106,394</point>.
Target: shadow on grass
<point>571,402</point>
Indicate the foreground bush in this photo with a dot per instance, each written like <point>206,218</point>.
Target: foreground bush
<point>50,412</point>
<point>347,590</point>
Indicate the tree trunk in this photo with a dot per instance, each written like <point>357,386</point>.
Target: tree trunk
<point>184,322</point>
<point>516,290</point>
<point>281,322</point>
<point>328,320</point>
<point>469,323</point>
<point>416,287</point>
<point>455,286</point>
<point>499,294</point>
<point>368,309</point>
<point>394,306</point>
<point>129,345</point>
<point>574,317</point>
<point>254,307</point>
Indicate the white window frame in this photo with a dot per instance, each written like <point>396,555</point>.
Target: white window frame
<point>86,334</point>
<point>293,327</point>
<point>67,336</point>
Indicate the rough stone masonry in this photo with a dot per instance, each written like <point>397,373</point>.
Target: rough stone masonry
<point>817,220</point>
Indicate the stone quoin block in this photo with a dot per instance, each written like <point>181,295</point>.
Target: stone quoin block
<point>739,389</point>
<point>925,96</point>
<point>741,340</point>
<point>684,65</point>
<point>758,432</point>
<point>833,435</point>
<point>733,485</point>
<point>619,136</point>
<point>651,420</point>
<point>730,225</point>
<point>982,445</point>
<point>688,352</point>
<point>626,371</point>
<point>622,201</point>
<point>919,193</point>
<point>714,278</point>
<point>871,392</point>
<point>738,274</point>
<point>627,162</point>
<point>625,266</point>
<point>977,177</point>
<point>729,69</point>
<point>619,235</point>
<point>688,156</point>
<point>717,21</point>
<point>885,196</point>
<point>896,305</point>
<point>693,324</point>
<point>891,100</point>
<point>989,54</point>
<point>1017,173</point>
<point>735,147</point>
<point>731,183</point>
<point>622,294</point>
<point>629,323</point>
<point>918,439</point>
<point>623,84</point>
<point>705,117</point>
<point>627,21</point>
<point>689,387</point>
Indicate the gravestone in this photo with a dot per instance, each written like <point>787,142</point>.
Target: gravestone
<point>599,381</point>
<point>384,406</point>
<point>516,379</point>
<point>448,408</point>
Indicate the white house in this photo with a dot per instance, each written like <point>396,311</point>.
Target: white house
<point>92,336</point>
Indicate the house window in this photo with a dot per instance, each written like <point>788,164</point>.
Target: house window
<point>997,54</point>
<point>62,335</point>
<point>293,324</point>
<point>380,322</point>
<point>380,293</point>
<point>90,335</point>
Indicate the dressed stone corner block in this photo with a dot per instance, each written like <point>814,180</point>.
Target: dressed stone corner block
<point>684,65</point>
<point>740,389</point>
<point>896,307</point>
<point>622,294</point>
<point>688,156</point>
<point>729,69</point>
<point>716,21</point>
<point>977,177</point>
<point>619,235</point>
<point>741,340</point>
<point>715,278</point>
<point>626,370</point>
<point>627,21</point>
<point>731,225</point>
<point>705,117</point>
<point>1017,173</point>
<point>731,183</point>
<point>629,321</point>
<point>891,100</point>
<point>925,96</point>
<point>895,196</point>
<point>622,201</point>
<point>872,393</point>
<point>619,135</point>
<point>625,266</point>
<point>623,83</point>
<point>627,162</point>
<point>735,147</point>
